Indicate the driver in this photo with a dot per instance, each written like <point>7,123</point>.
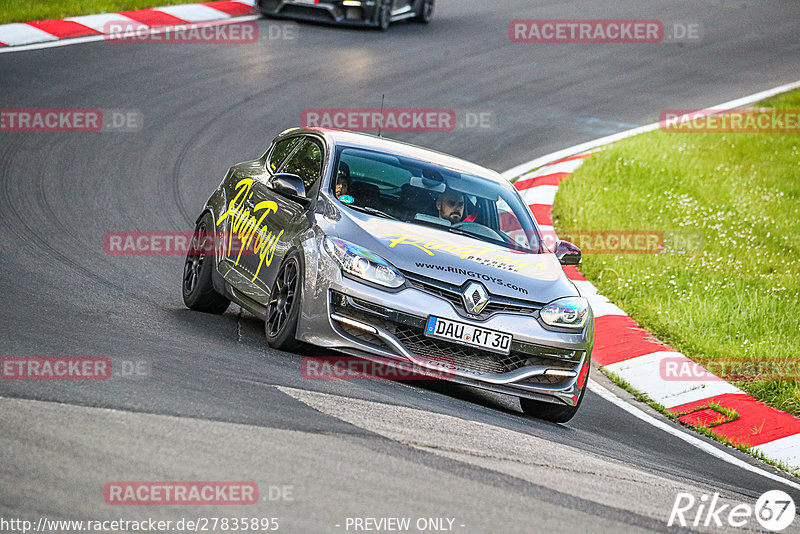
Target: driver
<point>451,205</point>
<point>343,180</point>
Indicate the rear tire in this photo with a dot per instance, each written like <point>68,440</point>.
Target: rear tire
<point>198,289</point>
<point>555,413</point>
<point>283,309</point>
<point>425,12</point>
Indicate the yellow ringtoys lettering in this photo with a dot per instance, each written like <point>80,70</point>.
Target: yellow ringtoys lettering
<point>249,225</point>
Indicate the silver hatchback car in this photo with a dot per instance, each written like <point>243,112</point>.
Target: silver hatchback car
<point>400,255</point>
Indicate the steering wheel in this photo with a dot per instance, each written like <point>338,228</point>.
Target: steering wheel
<point>478,229</point>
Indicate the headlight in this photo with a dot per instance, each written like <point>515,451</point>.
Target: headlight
<point>362,263</point>
<point>568,312</point>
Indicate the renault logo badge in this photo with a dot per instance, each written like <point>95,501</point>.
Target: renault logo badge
<point>475,298</point>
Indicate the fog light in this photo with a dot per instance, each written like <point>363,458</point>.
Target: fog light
<point>354,13</point>
<point>354,324</point>
<point>561,372</point>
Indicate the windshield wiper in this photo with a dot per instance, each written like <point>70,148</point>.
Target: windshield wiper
<point>468,234</point>
<point>372,211</point>
<point>479,237</point>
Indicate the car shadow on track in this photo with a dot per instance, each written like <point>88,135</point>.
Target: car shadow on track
<point>247,331</point>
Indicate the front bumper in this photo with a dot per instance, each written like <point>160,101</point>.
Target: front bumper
<point>327,11</point>
<point>388,328</point>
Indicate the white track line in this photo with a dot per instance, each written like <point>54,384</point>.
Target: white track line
<point>527,168</point>
<point>95,38</point>
<point>594,387</point>
<point>590,145</point>
<point>565,166</point>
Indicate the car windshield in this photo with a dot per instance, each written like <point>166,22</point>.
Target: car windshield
<point>419,192</point>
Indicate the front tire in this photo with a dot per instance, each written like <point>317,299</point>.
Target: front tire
<point>425,12</point>
<point>555,413</point>
<point>385,15</point>
<point>198,289</point>
<point>283,309</point>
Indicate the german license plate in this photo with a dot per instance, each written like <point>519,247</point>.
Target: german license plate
<point>467,334</point>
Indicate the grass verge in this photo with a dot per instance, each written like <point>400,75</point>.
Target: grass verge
<point>733,294</point>
<point>16,11</point>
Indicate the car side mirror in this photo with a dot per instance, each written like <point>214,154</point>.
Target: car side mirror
<point>290,185</point>
<point>567,253</point>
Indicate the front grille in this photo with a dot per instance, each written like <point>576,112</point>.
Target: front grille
<point>462,357</point>
<point>308,13</point>
<point>452,294</point>
<point>410,332</point>
<point>495,307</point>
<point>544,380</point>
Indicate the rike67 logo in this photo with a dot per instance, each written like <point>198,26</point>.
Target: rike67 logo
<point>774,511</point>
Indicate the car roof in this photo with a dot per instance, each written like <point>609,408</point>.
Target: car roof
<point>372,142</point>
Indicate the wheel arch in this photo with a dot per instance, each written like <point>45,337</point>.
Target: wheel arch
<point>216,278</point>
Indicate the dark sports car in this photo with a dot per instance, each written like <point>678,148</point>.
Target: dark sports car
<point>375,13</point>
<point>399,255</point>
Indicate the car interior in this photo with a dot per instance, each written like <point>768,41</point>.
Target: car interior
<point>407,191</point>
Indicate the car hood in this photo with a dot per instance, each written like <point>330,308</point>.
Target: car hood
<point>454,258</point>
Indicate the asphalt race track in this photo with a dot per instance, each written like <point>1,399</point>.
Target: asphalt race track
<point>213,401</point>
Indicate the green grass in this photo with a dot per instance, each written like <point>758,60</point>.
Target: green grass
<point>17,11</point>
<point>737,295</point>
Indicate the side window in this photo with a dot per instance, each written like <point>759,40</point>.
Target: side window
<point>306,163</point>
<point>282,149</point>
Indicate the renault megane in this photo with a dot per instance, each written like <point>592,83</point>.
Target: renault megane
<point>398,254</point>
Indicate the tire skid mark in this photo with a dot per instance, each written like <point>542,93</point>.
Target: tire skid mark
<point>22,225</point>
